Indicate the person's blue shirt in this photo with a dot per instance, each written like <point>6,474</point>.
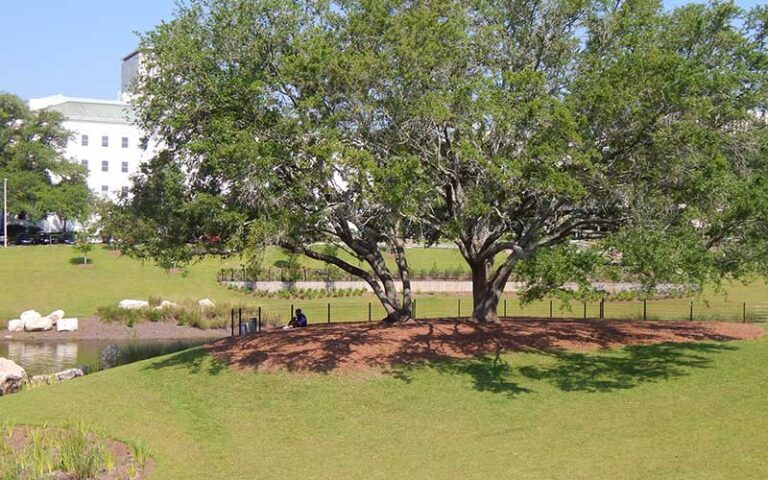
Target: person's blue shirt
<point>301,320</point>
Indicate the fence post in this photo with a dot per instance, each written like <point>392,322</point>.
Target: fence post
<point>240,320</point>
<point>585,309</point>
<point>369,311</point>
<point>291,313</point>
<point>645,309</point>
<point>232,323</point>
<point>691,315</point>
<point>329,312</point>
<point>744,311</point>
<point>505,307</point>
<point>550,309</point>
<point>413,310</point>
<point>459,308</point>
<point>259,327</point>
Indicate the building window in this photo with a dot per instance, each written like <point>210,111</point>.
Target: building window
<point>84,163</point>
<point>84,140</point>
<point>124,167</point>
<point>104,165</point>
<point>125,142</point>
<point>104,190</point>
<point>104,141</point>
<point>124,190</point>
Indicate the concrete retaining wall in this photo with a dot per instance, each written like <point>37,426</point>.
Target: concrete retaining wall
<point>418,286</point>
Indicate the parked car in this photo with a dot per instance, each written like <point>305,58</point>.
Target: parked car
<point>68,238</point>
<point>46,238</point>
<point>25,239</point>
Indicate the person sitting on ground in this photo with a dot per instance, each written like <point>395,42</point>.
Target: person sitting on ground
<point>300,320</point>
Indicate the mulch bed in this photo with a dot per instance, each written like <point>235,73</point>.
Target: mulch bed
<point>363,346</point>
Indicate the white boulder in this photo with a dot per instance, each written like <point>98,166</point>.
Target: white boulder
<point>128,304</point>
<point>15,325</point>
<point>67,325</point>
<point>206,303</point>
<point>68,374</point>
<point>56,315</point>
<point>40,324</point>
<point>29,315</point>
<point>167,304</point>
<point>12,376</point>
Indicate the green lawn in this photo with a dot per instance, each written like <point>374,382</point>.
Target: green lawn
<point>692,411</point>
<point>42,278</point>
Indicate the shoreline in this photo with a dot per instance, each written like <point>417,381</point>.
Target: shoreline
<point>94,329</point>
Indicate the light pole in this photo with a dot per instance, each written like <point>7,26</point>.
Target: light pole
<point>5,213</point>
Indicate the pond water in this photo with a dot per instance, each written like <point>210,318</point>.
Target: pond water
<point>50,356</point>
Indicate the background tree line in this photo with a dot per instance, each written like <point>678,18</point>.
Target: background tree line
<point>40,180</point>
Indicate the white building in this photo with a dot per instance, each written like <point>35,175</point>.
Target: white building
<point>104,140</point>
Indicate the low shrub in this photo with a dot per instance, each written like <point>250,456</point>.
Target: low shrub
<point>114,314</point>
<point>309,294</point>
<point>186,313</point>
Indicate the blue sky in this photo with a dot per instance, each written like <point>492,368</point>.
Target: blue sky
<point>74,47</point>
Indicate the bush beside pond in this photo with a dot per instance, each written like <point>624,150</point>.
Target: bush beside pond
<point>187,312</point>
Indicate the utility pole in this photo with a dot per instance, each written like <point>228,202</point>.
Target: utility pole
<point>5,213</point>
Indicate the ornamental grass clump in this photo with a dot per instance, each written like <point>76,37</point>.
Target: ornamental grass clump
<point>74,453</point>
<point>187,312</point>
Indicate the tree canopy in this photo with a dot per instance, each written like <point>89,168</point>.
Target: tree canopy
<point>40,180</point>
<point>510,128</point>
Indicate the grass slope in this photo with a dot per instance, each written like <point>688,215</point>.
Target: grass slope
<point>42,278</point>
<point>645,412</point>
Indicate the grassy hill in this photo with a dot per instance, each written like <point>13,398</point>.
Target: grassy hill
<point>43,278</point>
<point>646,412</point>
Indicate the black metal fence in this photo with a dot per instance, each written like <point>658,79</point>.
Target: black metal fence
<point>245,321</point>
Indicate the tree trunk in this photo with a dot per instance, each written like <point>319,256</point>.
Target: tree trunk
<point>397,316</point>
<point>487,287</point>
<point>485,307</point>
<point>485,298</point>
<point>396,313</point>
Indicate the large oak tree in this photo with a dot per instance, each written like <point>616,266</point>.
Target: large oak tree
<point>510,128</point>
<point>539,122</point>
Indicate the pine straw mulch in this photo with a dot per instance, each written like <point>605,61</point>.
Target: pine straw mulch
<point>364,346</point>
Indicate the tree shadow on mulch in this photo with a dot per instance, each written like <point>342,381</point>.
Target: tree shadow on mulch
<point>196,360</point>
<point>652,351</point>
<point>600,372</point>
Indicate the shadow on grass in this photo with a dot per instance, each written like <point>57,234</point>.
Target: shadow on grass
<point>196,360</point>
<point>570,371</point>
<point>80,261</point>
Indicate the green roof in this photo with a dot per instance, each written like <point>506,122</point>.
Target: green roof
<point>108,112</point>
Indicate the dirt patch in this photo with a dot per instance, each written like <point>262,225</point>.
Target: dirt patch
<point>113,460</point>
<point>362,346</point>
<point>95,329</point>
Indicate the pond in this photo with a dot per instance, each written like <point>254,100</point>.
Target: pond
<point>50,356</point>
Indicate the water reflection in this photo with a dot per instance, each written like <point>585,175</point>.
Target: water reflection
<point>54,355</point>
<point>45,357</point>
